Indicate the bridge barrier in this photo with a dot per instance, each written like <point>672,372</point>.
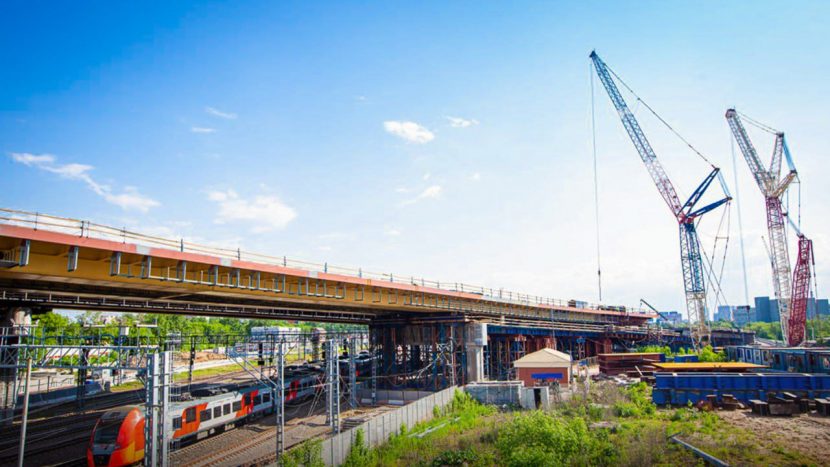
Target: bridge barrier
<point>378,430</point>
<point>681,388</point>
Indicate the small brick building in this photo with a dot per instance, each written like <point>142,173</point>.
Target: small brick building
<point>544,366</point>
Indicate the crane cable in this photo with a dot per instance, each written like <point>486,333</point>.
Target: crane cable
<point>596,180</point>
<point>716,278</point>
<point>740,220</point>
<point>639,99</point>
<point>758,124</point>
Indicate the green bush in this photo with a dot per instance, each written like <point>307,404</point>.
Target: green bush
<point>307,454</point>
<point>455,458</point>
<point>707,354</point>
<point>540,439</point>
<point>360,455</point>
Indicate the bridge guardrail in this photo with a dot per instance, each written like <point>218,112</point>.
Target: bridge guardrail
<point>89,229</point>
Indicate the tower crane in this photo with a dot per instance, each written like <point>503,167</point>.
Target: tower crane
<point>773,186</point>
<point>684,213</point>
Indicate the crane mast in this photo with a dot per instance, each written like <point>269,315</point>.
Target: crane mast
<point>685,213</point>
<point>773,186</point>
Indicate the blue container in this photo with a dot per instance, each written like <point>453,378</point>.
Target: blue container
<point>680,389</point>
<point>685,358</point>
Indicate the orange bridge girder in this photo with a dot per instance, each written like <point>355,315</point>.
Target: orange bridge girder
<point>51,269</point>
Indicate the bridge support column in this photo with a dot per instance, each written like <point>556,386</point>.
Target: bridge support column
<point>14,322</point>
<point>475,342</point>
<point>422,355</point>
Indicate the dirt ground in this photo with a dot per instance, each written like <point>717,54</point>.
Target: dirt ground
<point>201,356</point>
<point>805,433</point>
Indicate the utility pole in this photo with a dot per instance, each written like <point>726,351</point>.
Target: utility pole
<point>22,449</point>
<point>155,415</point>
<point>333,385</point>
<point>280,396</point>
<point>352,372</point>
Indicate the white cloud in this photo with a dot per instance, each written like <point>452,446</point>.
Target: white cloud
<point>401,189</point>
<point>430,192</point>
<point>391,232</point>
<point>433,191</point>
<point>218,113</point>
<point>475,177</point>
<point>409,131</point>
<point>458,122</point>
<point>264,212</point>
<point>426,176</point>
<point>130,198</point>
<point>201,129</point>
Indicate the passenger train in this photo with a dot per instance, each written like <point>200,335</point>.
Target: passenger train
<point>118,437</point>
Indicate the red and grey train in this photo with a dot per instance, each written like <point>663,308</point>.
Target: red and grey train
<point>118,437</point>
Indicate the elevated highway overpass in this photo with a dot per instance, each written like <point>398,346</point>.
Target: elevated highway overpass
<point>49,262</point>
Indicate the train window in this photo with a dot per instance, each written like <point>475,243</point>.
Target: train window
<point>107,432</point>
<point>190,415</point>
<point>266,397</point>
<point>237,406</point>
<point>227,409</point>
<point>258,400</point>
<point>177,423</point>
<point>204,415</point>
<point>217,412</point>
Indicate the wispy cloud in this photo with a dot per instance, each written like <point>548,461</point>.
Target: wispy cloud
<point>263,212</point>
<point>201,129</point>
<point>409,131</point>
<point>130,198</point>
<point>391,232</point>
<point>430,192</point>
<point>475,177</point>
<point>458,122</point>
<point>218,113</point>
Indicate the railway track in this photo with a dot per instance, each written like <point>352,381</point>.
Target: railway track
<point>60,431</point>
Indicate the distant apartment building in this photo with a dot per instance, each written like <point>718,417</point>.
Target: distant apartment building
<point>670,317</point>
<point>766,310</point>
<point>743,315</point>
<point>724,313</point>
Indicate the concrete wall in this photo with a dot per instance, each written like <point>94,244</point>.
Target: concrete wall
<point>378,429</point>
<point>392,397</point>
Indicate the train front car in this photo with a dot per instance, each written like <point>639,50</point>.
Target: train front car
<point>117,439</point>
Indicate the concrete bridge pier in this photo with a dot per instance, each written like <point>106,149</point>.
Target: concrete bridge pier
<point>424,355</point>
<point>14,322</point>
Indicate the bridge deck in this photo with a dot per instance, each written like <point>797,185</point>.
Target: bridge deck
<point>63,263</point>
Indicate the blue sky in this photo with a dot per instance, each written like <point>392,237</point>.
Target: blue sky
<point>445,140</point>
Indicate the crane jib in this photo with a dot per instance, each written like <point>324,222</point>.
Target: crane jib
<point>690,254</point>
